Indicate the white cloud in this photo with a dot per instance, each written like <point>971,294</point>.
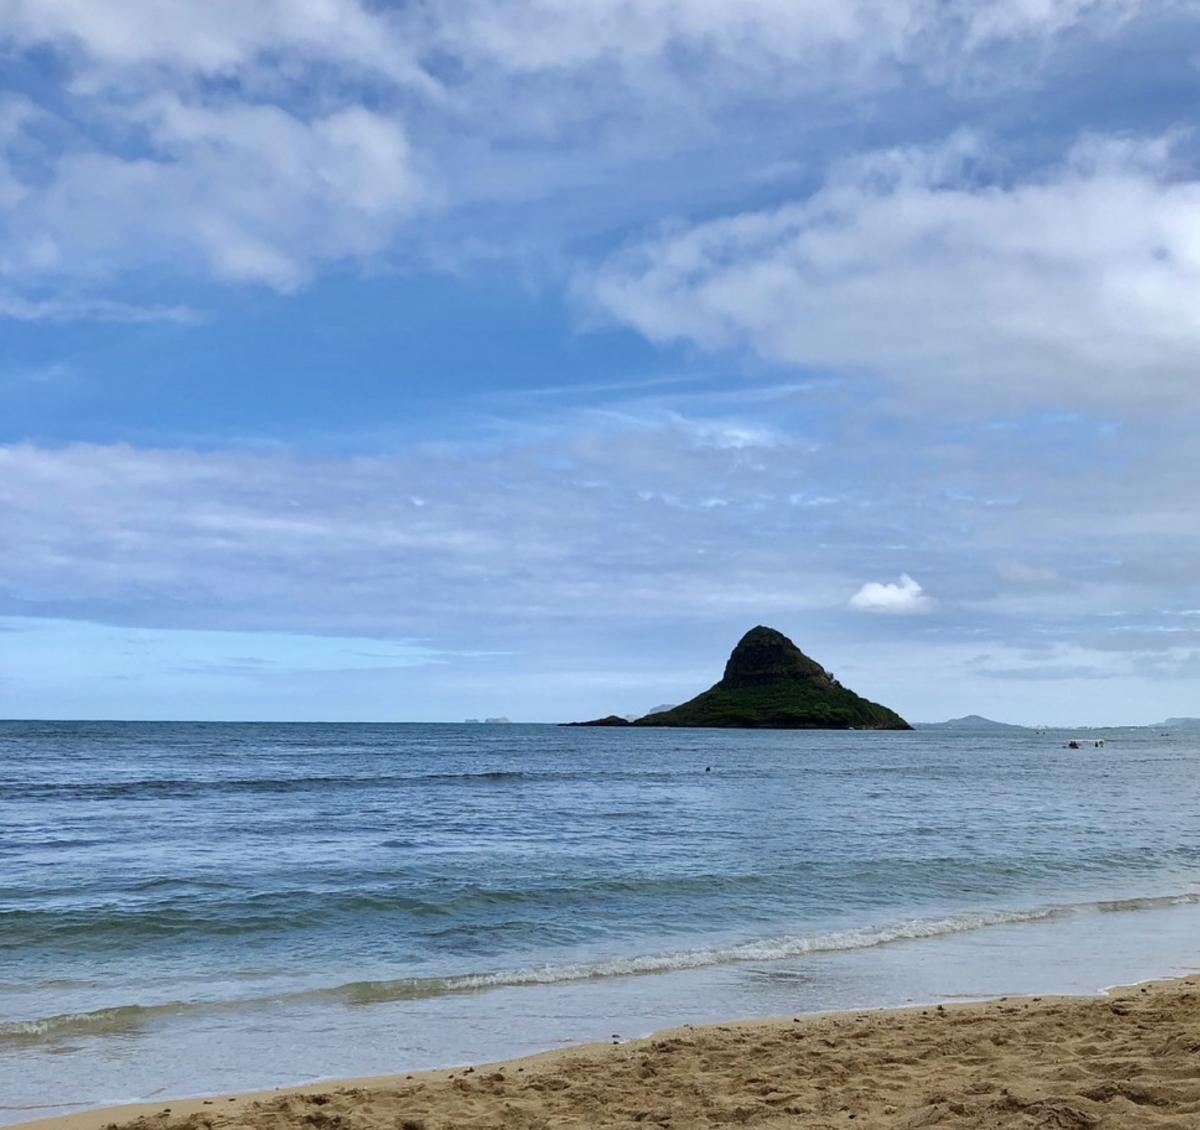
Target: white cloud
<point>1079,285</point>
<point>532,35</point>
<point>563,36</point>
<point>214,37</point>
<point>248,193</point>
<point>242,142</point>
<point>758,35</point>
<point>258,142</point>
<point>902,597</point>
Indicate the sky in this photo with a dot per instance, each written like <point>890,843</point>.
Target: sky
<point>422,361</point>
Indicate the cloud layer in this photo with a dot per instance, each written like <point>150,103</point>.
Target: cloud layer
<point>1075,286</point>
<point>572,551</point>
<point>947,280</point>
<point>258,143</point>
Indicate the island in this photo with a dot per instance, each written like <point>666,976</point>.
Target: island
<point>1175,724</point>
<point>975,723</point>
<point>770,684</point>
<point>607,720</point>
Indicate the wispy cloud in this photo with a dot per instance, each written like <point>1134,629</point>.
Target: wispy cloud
<point>609,556</point>
<point>65,309</point>
<point>631,518</point>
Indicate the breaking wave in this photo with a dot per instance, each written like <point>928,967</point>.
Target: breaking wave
<point>127,1019</point>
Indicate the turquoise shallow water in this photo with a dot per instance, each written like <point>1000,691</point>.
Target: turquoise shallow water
<point>203,907</point>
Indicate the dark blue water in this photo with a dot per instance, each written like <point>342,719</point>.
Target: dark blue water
<point>164,883</point>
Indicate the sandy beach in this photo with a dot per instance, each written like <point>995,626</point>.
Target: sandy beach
<point>1126,1060</point>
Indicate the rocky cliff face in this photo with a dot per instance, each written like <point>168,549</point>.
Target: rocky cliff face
<point>769,683</point>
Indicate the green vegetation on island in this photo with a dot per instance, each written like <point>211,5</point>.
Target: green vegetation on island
<point>770,684</point>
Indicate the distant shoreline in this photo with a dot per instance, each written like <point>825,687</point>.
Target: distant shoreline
<point>1170,724</point>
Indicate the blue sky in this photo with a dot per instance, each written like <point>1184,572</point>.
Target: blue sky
<point>410,361</point>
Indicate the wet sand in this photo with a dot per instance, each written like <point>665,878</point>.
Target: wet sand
<point>1127,1060</point>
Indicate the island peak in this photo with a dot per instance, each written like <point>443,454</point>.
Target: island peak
<point>764,656</point>
<point>770,684</point>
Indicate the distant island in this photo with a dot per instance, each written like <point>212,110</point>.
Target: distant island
<point>974,722</point>
<point>607,720</point>
<point>770,684</point>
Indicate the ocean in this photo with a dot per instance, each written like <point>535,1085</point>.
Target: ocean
<point>189,908</point>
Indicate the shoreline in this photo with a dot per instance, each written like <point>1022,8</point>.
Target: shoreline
<point>1126,1056</point>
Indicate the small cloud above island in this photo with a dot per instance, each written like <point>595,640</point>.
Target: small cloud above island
<point>905,597</point>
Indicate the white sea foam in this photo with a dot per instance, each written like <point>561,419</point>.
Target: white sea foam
<point>127,1018</point>
<point>777,948</point>
<point>765,949</point>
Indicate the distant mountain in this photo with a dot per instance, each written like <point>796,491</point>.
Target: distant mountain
<point>770,684</point>
<point>658,709</point>
<point>975,722</point>
<point>1177,724</point>
<point>607,720</point>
